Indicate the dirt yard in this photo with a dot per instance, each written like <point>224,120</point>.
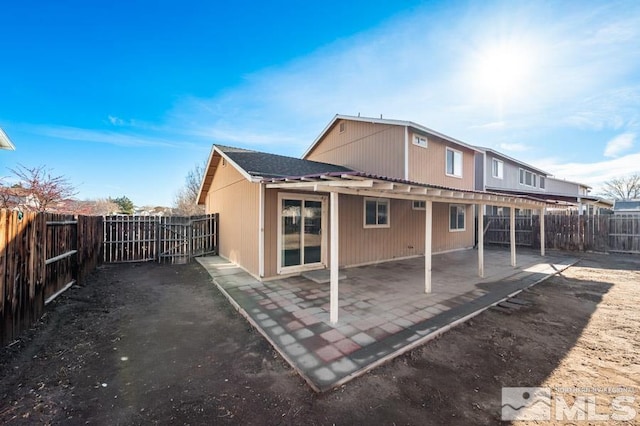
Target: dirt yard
<point>148,343</point>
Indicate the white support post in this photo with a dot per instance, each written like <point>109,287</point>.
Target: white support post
<point>333,297</point>
<point>261,231</point>
<point>542,242</point>
<point>428,231</point>
<point>481,240</point>
<point>512,235</point>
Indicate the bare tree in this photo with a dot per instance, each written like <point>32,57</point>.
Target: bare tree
<point>43,188</point>
<point>623,188</point>
<point>104,207</point>
<point>186,200</point>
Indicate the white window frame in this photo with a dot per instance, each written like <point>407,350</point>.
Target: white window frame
<point>420,141</point>
<point>446,162</point>
<point>418,205</point>
<point>522,178</point>
<point>500,172</point>
<point>324,242</point>
<point>464,213</point>
<point>386,201</point>
<point>542,182</point>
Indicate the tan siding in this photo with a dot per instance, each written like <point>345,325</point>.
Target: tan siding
<point>427,165</point>
<point>367,147</point>
<point>445,240</point>
<point>236,200</point>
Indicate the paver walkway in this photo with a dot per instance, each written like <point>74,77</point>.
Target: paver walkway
<point>383,309</point>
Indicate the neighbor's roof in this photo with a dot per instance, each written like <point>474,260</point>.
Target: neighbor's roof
<point>5,142</point>
<point>506,157</point>
<point>627,205</point>
<point>391,122</point>
<point>256,166</point>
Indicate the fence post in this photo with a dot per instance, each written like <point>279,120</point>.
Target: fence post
<point>216,225</point>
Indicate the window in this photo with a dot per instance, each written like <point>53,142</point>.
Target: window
<point>542,182</point>
<point>497,169</point>
<point>454,163</point>
<point>419,205</point>
<point>420,141</point>
<point>376,213</point>
<point>456,217</point>
<point>527,178</point>
<point>342,126</point>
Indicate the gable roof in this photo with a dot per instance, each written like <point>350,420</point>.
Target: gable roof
<point>256,166</point>
<point>390,122</point>
<point>5,142</point>
<point>265,165</point>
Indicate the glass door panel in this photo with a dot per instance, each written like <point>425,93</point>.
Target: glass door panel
<point>312,232</point>
<point>291,232</point>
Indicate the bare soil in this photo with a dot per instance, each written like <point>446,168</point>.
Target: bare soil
<point>149,343</point>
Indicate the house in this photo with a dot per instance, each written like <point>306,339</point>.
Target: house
<point>5,142</point>
<point>624,207</point>
<point>17,198</point>
<point>366,191</point>
<point>497,172</point>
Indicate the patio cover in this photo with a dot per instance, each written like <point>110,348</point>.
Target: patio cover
<point>364,184</point>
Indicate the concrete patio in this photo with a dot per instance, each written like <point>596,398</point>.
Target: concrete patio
<point>384,311</point>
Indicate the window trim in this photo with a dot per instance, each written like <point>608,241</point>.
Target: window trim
<point>542,181</point>
<point>386,201</point>
<point>421,138</point>
<point>446,160</point>
<point>499,162</point>
<point>413,205</point>
<point>464,213</point>
<point>522,178</point>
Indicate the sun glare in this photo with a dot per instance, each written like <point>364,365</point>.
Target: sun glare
<point>503,69</point>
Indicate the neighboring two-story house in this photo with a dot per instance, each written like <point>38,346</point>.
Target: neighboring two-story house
<point>497,172</point>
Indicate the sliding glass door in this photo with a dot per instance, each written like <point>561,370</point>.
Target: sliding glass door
<point>301,240</point>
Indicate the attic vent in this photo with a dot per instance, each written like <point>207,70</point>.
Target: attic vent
<point>341,126</point>
<point>224,162</point>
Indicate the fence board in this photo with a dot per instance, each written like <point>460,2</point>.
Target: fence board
<point>604,233</point>
<point>170,239</point>
<point>26,242</point>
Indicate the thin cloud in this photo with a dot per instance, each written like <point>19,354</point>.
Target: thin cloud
<point>619,144</point>
<point>515,147</point>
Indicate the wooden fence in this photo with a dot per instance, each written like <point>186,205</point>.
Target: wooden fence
<point>172,239</point>
<point>41,255</point>
<point>602,233</point>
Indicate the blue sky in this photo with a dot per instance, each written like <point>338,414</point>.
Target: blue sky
<point>124,98</point>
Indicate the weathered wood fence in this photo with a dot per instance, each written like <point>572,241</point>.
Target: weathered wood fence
<point>602,233</point>
<point>171,239</point>
<point>41,255</point>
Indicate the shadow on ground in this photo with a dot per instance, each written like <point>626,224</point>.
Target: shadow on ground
<point>156,343</point>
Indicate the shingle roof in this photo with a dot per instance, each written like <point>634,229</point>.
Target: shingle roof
<point>274,166</point>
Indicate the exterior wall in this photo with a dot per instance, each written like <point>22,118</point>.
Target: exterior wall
<point>358,245</point>
<point>236,200</point>
<point>511,175</point>
<point>428,165</point>
<point>366,147</point>
<point>558,186</point>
